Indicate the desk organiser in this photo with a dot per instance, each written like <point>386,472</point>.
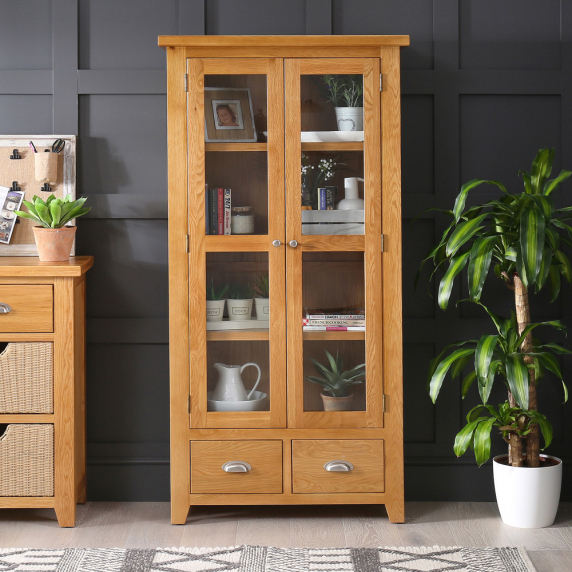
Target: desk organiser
<point>42,384</point>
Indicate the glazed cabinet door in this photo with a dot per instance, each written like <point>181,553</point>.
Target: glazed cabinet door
<point>334,242</point>
<point>237,317</point>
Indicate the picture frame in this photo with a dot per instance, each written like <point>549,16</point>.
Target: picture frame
<point>229,116</point>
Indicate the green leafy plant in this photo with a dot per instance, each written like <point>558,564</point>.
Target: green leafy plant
<point>334,380</point>
<point>262,285</point>
<point>216,293</point>
<point>343,90</point>
<point>53,212</point>
<point>237,291</point>
<point>522,233</point>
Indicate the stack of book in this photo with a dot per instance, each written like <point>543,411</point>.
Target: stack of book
<point>218,203</point>
<point>352,319</point>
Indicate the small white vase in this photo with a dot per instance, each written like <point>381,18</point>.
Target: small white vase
<point>239,310</point>
<point>215,310</point>
<point>262,306</point>
<point>527,497</point>
<point>349,118</point>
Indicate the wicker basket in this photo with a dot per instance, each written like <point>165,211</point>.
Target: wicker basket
<point>27,461</point>
<point>27,378</point>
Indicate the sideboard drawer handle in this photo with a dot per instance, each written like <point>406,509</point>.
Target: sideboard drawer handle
<point>4,308</point>
<point>339,466</point>
<point>236,467</point>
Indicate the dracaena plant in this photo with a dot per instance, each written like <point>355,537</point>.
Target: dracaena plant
<point>53,212</point>
<point>519,237</point>
<point>333,379</point>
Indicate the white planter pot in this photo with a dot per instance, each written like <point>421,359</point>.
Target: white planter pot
<point>239,310</point>
<point>262,306</point>
<point>527,497</point>
<point>349,118</point>
<point>215,310</point>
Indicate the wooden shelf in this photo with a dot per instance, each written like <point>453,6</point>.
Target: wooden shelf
<point>333,146</point>
<point>237,243</point>
<point>27,502</point>
<point>222,147</point>
<point>333,335</point>
<point>336,242</point>
<point>26,418</point>
<point>253,334</point>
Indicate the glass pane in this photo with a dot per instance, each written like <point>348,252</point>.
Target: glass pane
<point>236,169</point>
<point>333,323</point>
<point>238,312</point>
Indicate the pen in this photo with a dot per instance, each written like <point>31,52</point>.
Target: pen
<point>33,146</point>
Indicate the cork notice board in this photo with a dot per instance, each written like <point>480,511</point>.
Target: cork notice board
<point>23,172</point>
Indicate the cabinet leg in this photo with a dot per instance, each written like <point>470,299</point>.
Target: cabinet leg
<point>179,512</point>
<point>396,511</point>
<point>65,513</point>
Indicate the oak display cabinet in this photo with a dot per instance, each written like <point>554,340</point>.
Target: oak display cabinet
<point>288,444</point>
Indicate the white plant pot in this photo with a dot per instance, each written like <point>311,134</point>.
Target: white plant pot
<point>349,118</point>
<point>262,306</point>
<point>215,310</point>
<point>239,310</point>
<point>527,497</point>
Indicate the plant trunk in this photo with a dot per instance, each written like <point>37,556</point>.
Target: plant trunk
<point>515,450</point>
<point>523,319</point>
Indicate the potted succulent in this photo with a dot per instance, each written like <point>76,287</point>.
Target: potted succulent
<point>262,300</point>
<point>346,93</point>
<point>239,302</point>
<point>53,238</point>
<point>336,382</point>
<point>523,233</point>
<point>215,301</point>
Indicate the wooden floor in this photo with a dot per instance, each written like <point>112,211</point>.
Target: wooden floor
<point>146,525</point>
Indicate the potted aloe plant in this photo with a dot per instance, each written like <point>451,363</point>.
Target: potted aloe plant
<point>215,301</point>
<point>54,238</point>
<point>519,237</point>
<point>239,302</point>
<point>336,382</point>
<point>346,93</point>
<point>262,300</point>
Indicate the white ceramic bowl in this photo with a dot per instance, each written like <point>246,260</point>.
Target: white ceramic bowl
<point>257,403</point>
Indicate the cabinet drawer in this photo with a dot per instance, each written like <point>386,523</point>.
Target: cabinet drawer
<point>309,474</point>
<point>264,458</point>
<point>31,308</point>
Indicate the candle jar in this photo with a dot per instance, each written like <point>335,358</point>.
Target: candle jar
<point>242,220</point>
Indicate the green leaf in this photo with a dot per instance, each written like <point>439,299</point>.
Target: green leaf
<point>483,356</point>
<point>526,179</point>
<point>544,204</point>
<point>482,441</point>
<point>56,212</point>
<point>552,237</point>
<point>553,183</point>
<point>485,390</point>
<point>556,324</point>
<point>479,264</point>
<point>459,366</point>
<point>465,436</point>
<point>544,268</point>
<point>541,168</point>
<point>555,348</point>
<point>532,226</point>
<point>545,427</point>
<point>517,377</point>
<point>520,267</point>
<point>467,382</point>
<point>457,264</point>
<point>30,216</point>
<point>462,197</point>
<point>551,363</point>
<point>565,269</point>
<point>44,214</point>
<point>463,233</point>
<point>442,369</point>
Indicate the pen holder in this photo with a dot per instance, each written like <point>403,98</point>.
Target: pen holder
<point>46,167</point>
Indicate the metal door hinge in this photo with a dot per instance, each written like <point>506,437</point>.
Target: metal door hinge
<point>187,244</point>
<point>383,243</point>
<point>384,410</point>
<point>380,82</point>
<point>186,82</point>
<point>189,404</point>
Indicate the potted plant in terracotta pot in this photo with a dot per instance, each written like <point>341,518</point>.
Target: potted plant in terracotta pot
<point>215,301</point>
<point>239,302</point>
<point>346,93</point>
<point>54,238</point>
<point>523,233</point>
<point>262,300</point>
<point>336,382</point>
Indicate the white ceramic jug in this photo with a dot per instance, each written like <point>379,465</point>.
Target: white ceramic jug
<point>229,386</point>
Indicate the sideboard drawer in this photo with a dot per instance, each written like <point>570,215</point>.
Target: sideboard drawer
<point>361,469</point>
<point>262,461</point>
<point>30,308</point>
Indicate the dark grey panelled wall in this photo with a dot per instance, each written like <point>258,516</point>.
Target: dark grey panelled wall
<point>485,84</point>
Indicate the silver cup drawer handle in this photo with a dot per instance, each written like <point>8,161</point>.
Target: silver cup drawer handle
<point>236,467</point>
<point>339,466</point>
<point>4,308</point>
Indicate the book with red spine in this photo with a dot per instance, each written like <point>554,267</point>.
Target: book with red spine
<point>220,210</point>
<point>333,328</point>
<point>332,322</point>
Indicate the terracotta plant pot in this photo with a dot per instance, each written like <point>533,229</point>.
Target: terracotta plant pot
<point>54,244</point>
<point>337,403</point>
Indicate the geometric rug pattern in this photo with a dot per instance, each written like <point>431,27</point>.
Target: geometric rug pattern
<point>266,559</point>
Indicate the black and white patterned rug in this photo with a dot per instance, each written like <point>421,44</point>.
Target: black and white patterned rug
<point>263,559</point>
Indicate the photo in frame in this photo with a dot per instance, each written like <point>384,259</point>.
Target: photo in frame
<point>228,115</point>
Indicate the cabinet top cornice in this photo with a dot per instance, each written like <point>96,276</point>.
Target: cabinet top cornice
<point>281,41</point>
